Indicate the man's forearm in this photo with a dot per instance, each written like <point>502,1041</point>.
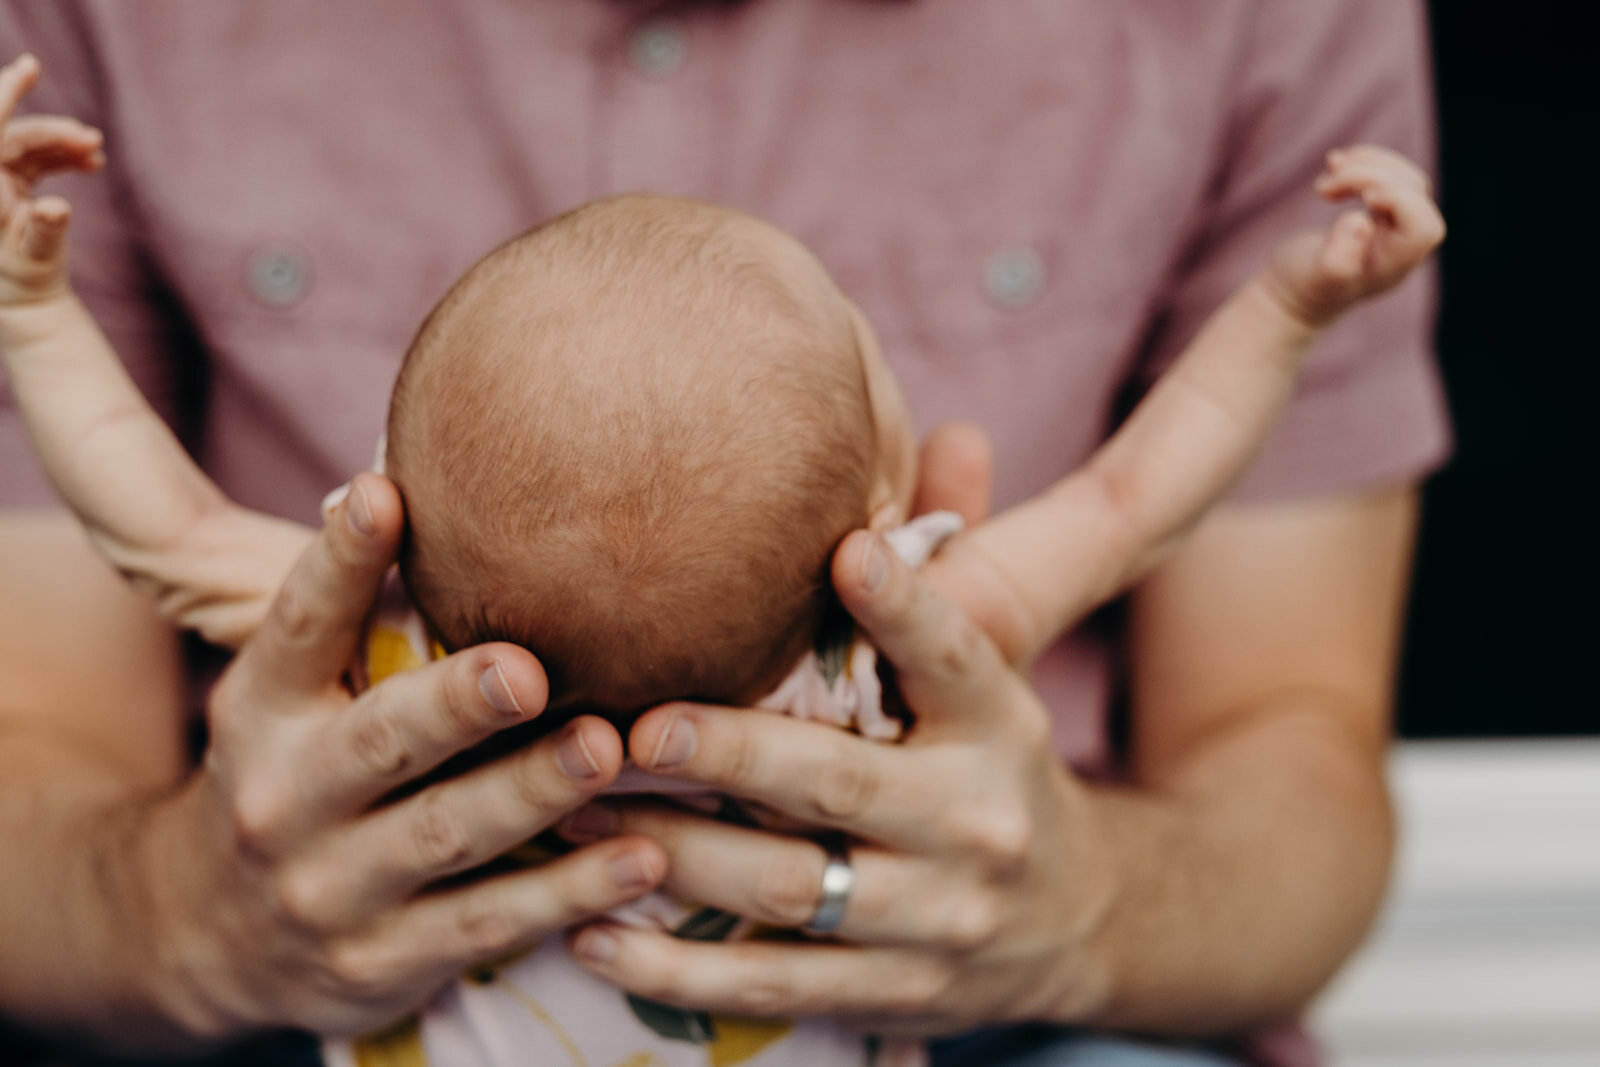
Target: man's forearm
<point>91,730</point>
<point>1246,873</point>
<point>76,921</point>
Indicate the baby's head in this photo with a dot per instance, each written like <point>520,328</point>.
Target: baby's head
<point>630,440</point>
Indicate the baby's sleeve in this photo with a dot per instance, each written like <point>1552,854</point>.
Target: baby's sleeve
<point>112,269</point>
<point>1369,408</point>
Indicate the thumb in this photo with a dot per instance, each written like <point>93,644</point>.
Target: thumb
<point>956,472</point>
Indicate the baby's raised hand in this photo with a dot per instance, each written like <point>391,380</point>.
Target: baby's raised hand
<point>208,564</point>
<point>33,231</point>
<point>1367,250</point>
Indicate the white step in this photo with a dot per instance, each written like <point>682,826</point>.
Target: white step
<point>1488,954</point>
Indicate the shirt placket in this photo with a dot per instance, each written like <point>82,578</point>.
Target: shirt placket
<point>655,92</point>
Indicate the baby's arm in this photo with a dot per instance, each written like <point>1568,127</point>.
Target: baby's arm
<point>1031,572</point>
<point>210,566</point>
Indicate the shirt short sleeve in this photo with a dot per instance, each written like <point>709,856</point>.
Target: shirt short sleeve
<point>1369,409</point>
<point>110,267</point>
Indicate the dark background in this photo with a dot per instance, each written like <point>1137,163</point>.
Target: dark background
<point>1503,629</point>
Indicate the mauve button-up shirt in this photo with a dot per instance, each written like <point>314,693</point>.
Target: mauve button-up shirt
<point>1036,203</point>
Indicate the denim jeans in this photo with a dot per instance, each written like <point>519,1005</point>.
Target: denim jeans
<point>1027,1046</point>
<point>1048,1046</point>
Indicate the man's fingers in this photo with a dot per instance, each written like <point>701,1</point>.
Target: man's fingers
<point>460,823</point>
<point>760,980</point>
<point>407,725</point>
<point>17,79</point>
<point>451,930</point>
<point>948,670</point>
<point>956,472</point>
<point>776,879</point>
<point>315,624</point>
<point>818,776</point>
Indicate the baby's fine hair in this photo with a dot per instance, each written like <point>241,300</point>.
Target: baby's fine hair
<point>629,441</point>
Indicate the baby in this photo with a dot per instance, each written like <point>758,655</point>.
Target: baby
<point>630,440</point>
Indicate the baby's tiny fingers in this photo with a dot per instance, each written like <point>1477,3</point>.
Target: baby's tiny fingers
<point>1353,181</point>
<point>1384,161</point>
<point>1401,205</point>
<point>1408,215</point>
<point>17,78</point>
<point>45,230</point>
<point>36,145</point>
<point>1344,252</point>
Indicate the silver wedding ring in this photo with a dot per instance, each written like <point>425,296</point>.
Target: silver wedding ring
<point>838,882</point>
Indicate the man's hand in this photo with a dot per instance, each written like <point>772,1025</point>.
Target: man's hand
<point>981,883</point>
<point>993,884</point>
<point>294,880</point>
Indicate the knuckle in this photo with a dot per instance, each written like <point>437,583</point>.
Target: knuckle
<point>845,787</point>
<point>437,838</point>
<point>1033,731</point>
<point>974,922</point>
<point>260,817</point>
<point>923,991</point>
<point>228,697</point>
<point>299,896</point>
<point>531,784</point>
<point>766,995</point>
<point>999,832</point>
<point>345,553</point>
<point>377,745</point>
<point>1009,838</point>
<point>292,615</point>
<point>485,926</point>
<point>742,766</point>
<point>962,648</point>
<point>357,970</point>
<point>463,708</point>
<point>786,894</point>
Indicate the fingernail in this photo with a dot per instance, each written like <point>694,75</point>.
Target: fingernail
<point>675,746</point>
<point>631,872</point>
<point>575,757</point>
<point>591,824</point>
<point>358,510</point>
<point>497,691</point>
<point>874,567</point>
<point>597,946</point>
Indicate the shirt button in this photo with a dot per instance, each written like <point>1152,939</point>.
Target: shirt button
<point>279,277</point>
<point>1014,277</point>
<point>658,49</point>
